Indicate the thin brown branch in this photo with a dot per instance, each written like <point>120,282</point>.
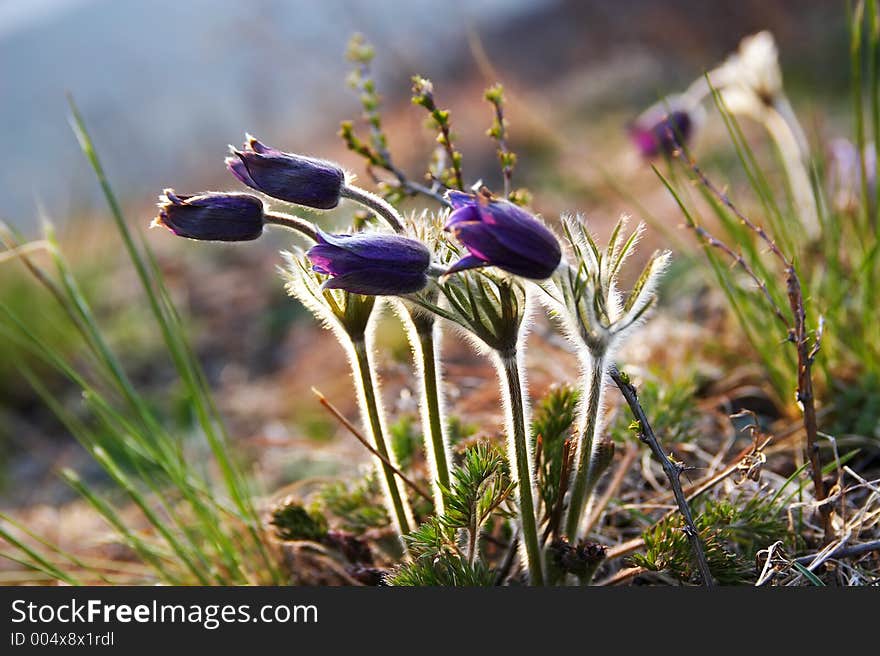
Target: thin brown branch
<point>798,333</point>
<point>409,186</point>
<point>725,200</point>
<point>624,548</point>
<point>507,564</point>
<point>622,576</point>
<point>377,154</point>
<point>843,552</point>
<point>333,410</point>
<point>539,452</point>
<point>739,260</point>
<point>695,490</point>
<point>672,471</point>
<point>498,131</point>
<point>423,95</point>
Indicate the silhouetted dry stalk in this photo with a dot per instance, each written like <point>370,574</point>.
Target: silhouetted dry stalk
<point>695,490</point>
<point>672,470</point>
<point>798,333</point>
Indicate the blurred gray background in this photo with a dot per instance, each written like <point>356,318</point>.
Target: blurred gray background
<point>166,84</point>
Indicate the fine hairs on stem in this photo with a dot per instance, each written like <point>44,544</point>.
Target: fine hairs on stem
<point>497,328</point>
<point>354,331</point>
<point>516,408</point>
<point>594,379</point>
<point>596,319</point>
<point>374,416</point>
<point>381,207</point>
<point>424,335</point>
<point>294,223</point>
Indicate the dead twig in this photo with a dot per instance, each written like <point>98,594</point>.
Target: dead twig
<point>554,519</point>
<point>333,410</point>
<point>798,333</point>
<point>509,558</point>
<point>840,551</point>
<point>622,576</point>
<point>692,492</point>
<point>672,470</point>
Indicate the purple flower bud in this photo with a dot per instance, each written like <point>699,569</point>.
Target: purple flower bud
<point>655,133</point>
<point>499,233</point>
<point>371,264</point>
<point>293,178</point>
<point>211,216</point>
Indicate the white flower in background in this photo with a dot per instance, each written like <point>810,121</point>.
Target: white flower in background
<point>750,80</point>
<point>750,85</point>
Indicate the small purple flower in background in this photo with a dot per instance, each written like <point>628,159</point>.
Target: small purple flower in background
<point>300,180</point>
<point>845,172</point>
<point>211,216</point>
<point>661,127</point>
<point>371,264</point>
<point>501,234</point>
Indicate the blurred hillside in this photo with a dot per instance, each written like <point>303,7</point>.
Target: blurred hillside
<point>166,84</point>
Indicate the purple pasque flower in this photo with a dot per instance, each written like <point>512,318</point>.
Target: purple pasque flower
<point>661,133</point>
<point>501,234</point>
<point>667,124</point>
<point>211,215</point>
<point>372,264</point>
<point>296,179</point>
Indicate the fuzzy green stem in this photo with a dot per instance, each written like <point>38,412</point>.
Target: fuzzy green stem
<point>435,440</point>
<point>365,380</point>
<point>291,222</point>
<point>521,461</point>
<point>473,534</point>
<point>583,481</point>
<point>378,205</point>
<point>423,333</point>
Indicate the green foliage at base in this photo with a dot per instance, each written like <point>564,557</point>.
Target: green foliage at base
<point>445,550</point>
<point>554,422</point>
<point>357,506</point>
<point>446,571</point>
<point>732,534</point>
<point>292,521</point>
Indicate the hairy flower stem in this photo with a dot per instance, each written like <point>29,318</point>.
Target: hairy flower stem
<point>380,206</point>
<point>423,333</point>
<point>294,223</point>
<point>584,482</point>
<point>436,444</point>
<point>370,408</point>
<point>520,456</point>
